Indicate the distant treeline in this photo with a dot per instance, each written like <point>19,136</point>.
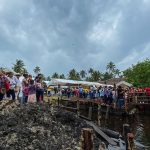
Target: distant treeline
<point>138,74</point>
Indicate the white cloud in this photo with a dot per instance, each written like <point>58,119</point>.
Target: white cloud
<point>59,36</point>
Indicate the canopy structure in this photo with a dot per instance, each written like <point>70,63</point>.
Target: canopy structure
<point>75,82</point>
<point>124,83</point>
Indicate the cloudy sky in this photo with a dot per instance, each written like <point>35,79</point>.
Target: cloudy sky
<point>59,35</point>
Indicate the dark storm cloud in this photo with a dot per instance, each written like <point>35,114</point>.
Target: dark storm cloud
<point>62,34</point>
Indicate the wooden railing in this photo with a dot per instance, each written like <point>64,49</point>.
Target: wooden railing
<point>140,99</point>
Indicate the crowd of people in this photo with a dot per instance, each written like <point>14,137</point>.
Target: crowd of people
<point>21,87</point>
<point>107,94</point>
<point>26,89</point>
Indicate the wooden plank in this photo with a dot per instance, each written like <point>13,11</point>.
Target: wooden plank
<point>83,117</point>
<point>101,133</point>
<point>69,100</point>
<point>87,139</point>
<point>68,107</point>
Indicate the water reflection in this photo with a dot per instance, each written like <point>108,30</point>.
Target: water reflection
<point>140,126</point>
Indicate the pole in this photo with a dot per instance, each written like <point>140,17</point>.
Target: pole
<point>107,112</point>
<point>87,139</point>
<point>78,108</point>
<point>90,113</point>
<point>126,130</point>
<point>58,102</point>
<point>99,114</point>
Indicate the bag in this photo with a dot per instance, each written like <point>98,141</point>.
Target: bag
<point>32,98</point>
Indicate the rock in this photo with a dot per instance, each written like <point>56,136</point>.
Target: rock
<point>38,127</point>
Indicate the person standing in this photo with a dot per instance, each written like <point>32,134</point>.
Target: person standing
<point>18,87</point>
<point>25,88</point>
<point>120,94</point>
<point>2,86</point>
<point>32,92</point>
<point>13,84</point>
<point>39,89</point>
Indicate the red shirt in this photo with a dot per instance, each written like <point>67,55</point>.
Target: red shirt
<point>147,91</point>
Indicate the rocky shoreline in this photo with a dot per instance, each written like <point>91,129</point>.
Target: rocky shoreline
<point>39,127</point>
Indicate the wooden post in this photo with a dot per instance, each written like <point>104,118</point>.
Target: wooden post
<point>126,130</point>
<point>78,108</point>
<point>90,113</point>
<point>99,115</point>
<point>136,100</point>
<point>58,102</point>
<point>49,101</point>
<point>87,139</point>
<point>107,112</point>
<point>130,139</point>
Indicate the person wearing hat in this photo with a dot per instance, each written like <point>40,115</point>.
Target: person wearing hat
<point>13,84</point>
<point>1,86</point>
<point>18,86</point>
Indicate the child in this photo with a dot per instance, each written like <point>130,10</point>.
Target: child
<point>39,90</point>
<point>24,89</point>
<point>32,92</point>
<point>25,92</point>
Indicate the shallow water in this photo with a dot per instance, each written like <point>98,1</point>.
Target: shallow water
<point>140,126</point>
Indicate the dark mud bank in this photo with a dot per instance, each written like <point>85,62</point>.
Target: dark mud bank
<point>40,127</point>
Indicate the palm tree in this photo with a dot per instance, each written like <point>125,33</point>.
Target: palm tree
<point>96,76</point>
<point>18,66</point>
<point>110,67</point>
<point>83,74</point>
<point>55,75</point>
<point>37,70</point>
<point>78,76</point>
<point>43,77</point>
<point>74,75</point>
<point>48,78</point>
<point>107,76</point>
<point>91,70</point>
<point>117,72</point>
<point>2,68</point>
<point>62,76</point>
<point>24,71</point>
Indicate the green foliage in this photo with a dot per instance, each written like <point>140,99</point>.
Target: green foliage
<point>43,77</point>
<point>19,67</point>
<point>83,74</point>
<point>96,76</point>
<point>74,75</point>
<point>91,70</point>
<point>48,78</point>
<point>139,74</point>
<point>37,70</point>
<point>111,67</point>
<point>24,71</point>
<point>107,76</point>
<point>55,75</point>
<point>62,76</point>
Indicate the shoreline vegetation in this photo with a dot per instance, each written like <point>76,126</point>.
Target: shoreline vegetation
<point>137,75</point>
